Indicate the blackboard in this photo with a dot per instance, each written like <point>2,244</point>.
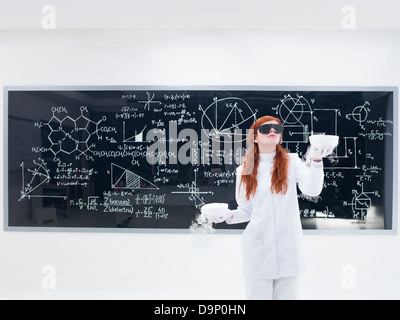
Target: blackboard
<point>147,159</point>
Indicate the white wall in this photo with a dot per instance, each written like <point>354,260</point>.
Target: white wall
<point>185,266</point>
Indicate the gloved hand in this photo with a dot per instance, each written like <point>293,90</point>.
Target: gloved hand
<point>222,216</point>
<point>322,146</point>
<point>217,216</point>
<point>318,152</point>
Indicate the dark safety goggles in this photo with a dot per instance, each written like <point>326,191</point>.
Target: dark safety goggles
<point>266,128</point>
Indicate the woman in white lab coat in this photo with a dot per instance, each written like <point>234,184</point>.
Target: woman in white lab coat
<point>266,194</point>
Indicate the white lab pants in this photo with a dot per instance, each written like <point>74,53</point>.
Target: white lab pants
<point>276,289</point>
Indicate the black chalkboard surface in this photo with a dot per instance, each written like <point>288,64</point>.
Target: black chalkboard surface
<point>149,158</point>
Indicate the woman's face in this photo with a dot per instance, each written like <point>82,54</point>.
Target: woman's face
<point>272,138</point>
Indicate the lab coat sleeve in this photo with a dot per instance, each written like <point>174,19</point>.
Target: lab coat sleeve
<point>309,179</point>
<point>244,209</point>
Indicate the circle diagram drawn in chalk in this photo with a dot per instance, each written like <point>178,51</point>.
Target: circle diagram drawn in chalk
<point>292,109</point>
<point>360,113</point>
<point>227,117</point>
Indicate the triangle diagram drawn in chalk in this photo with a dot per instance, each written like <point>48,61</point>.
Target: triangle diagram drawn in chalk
<point>36,175</point>
<point>122,178</point>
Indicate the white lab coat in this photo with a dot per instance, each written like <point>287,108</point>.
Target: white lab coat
<point>272,241</point>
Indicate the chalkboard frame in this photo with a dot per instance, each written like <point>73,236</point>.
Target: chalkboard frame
<point>392,89</point>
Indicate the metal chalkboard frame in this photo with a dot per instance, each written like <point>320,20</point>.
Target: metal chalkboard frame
<point>395,159</point>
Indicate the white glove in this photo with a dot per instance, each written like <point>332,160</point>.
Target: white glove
<point>219,217</point>
<point>317,152</point>
<point>215,212</point>
<point>322,146</point>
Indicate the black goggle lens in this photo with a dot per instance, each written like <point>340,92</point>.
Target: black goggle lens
<point>266,128</point>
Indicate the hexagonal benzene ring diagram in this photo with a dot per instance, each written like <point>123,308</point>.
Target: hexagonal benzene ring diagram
<point>68,135</point>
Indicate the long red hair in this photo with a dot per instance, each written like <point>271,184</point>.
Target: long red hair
<point>279,179</point>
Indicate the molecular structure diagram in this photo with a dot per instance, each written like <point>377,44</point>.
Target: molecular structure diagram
<point>68,135</point>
